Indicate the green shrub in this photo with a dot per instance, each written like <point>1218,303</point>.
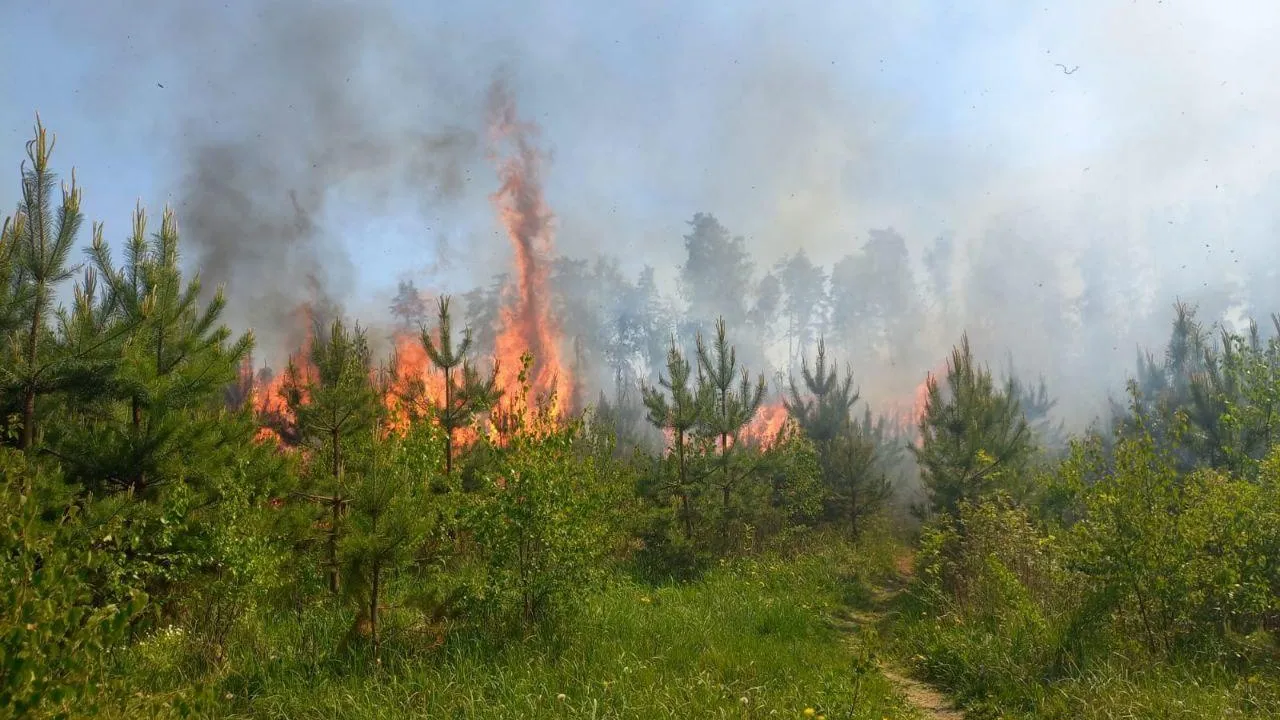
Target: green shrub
<point>53,637</point>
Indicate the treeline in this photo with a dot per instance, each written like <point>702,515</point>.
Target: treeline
<point>868,306</point>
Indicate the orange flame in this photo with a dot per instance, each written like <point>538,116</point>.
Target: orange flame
<point>268,397</point>
<point>763,429</point>
<point>526,323</point>
<point>417,390</point>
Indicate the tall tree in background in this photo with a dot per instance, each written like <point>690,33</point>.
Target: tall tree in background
<point>763,317</point>
<point>974,437</point>
<point>804,286</point>
<point>715,278</point>
<point>336,406</point>
<point>1014,298</point>
<point>408,306</point>
<point>680,415</point>
<point>482,311</point>
<point>652,324</point>
<point>874,301</point>
<point>466,393</point>
<point>43,235</point>
<point>730,401</point>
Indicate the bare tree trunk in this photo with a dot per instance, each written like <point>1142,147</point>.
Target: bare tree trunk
<point>373,610</point>
<point>29,393</point>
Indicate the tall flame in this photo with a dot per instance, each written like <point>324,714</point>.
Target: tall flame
<point>526,323</point>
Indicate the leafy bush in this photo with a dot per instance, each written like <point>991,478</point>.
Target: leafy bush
<point>542,526</point>
<point>53,636</point>
<point>1181,557</point>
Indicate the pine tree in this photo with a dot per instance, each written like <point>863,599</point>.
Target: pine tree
<point>44,237</point>
<point>971,437</point>
<point>726,408</point>
<point>11,231</point>
<point>336,406</point>
<point>680,415</point>
<point>159,418</point>
<point>386,522</point>
<point>848,451</point>
<point>466,393</point>
<point>854,476</point>
<point>825,414</point>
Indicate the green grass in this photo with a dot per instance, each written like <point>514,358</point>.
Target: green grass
<point>752,639</point>
<point>1002,671</point>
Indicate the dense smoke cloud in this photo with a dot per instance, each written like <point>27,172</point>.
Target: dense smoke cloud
<point>1088,162</point>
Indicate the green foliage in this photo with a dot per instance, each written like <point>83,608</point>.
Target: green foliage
<point>726,409</point>
<point>335,405</point>
<point>856,484</point>
<point>679,416</point>
<point>389,516</point>
<point>1160,577</point>
<point>825,413</point>
<point>974,438</point>
<point>40,238</point>
<point>155,561</point>
<point>755,628</point>
<point>53,636</point>
<point>1181,556</point>
<point>158,418</point>
<point>791,469</point>
<point>542,524</point>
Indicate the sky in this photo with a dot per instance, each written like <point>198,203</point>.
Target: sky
<point>1146,127</point>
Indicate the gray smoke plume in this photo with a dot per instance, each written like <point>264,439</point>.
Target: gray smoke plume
<point>284,145</point>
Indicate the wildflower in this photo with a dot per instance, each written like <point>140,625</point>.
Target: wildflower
<point>808,712</point>
<point>561,697</point>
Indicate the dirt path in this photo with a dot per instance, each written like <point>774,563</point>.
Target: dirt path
<point>927,700</point>
<point>931,703</point>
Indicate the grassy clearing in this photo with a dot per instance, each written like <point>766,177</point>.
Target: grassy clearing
<point>752,639</point>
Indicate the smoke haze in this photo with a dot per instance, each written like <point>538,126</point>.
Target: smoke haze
<point>1089,161</point>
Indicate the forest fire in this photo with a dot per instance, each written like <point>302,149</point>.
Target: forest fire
<point>526,327</point>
